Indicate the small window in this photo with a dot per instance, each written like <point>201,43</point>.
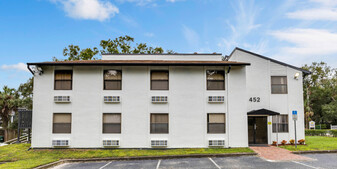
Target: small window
<point>112,80</point>
<point>279,85</point>
<point>62,123</point>
<point>159,123</point>
<point>215,79</point>
<point>63,79</point>
<point>159,80</point>
<point>282,122</point>
<point>111,123</point>
<point>216,123</point>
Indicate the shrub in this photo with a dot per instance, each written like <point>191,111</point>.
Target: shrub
<point>333,133</point>
<point>284,142</point>
<point>274,143</point>
<point>302,141</point>
<point>316,132</point>
<point>292,141</point>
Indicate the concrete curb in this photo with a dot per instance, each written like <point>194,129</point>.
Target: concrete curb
<point>315,152</point>
<point>142,158</point>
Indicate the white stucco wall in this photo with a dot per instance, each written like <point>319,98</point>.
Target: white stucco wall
<point>187,107</point>
<point>259,85</point>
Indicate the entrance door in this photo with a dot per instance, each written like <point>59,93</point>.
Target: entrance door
<point>257,130</point>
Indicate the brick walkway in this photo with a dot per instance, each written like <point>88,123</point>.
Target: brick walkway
<point>278,154</point>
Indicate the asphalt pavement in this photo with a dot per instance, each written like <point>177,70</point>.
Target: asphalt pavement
<point>320,161</point>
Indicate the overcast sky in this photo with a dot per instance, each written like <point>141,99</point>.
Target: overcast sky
<point>297,32</point>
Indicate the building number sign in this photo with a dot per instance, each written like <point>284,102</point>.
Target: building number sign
<point>254,99</point>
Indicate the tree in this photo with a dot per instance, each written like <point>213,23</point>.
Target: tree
<point>123,44</point>
<point>320,93</point>
<point>73,52</point>
<point>26,94</point>
<point>9,103</point>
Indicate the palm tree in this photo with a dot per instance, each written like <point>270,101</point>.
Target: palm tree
<point>9,102</point>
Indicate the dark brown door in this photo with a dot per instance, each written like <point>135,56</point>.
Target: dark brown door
<point>257,130</point>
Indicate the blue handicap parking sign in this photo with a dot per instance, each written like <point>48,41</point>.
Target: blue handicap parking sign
<point>294,112</point>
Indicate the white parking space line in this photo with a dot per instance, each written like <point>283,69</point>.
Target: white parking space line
<point>306,165</point>
<point>106,165</point>
<point>214,163</point>
<point>158,164</point>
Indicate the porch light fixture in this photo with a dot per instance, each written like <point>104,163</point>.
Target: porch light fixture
<point>296,75</point>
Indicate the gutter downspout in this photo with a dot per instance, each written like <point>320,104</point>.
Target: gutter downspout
<point>228,70</point>
<point>31,71</point>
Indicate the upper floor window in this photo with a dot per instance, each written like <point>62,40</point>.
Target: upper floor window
<point>279,85</point>
<point>112,80</point>
<point>63,79</point>
<point>62,123</point>
<point>159,123</point>
<point>159,80</point>
<point>215,80</point>
<point>111,123</point>
<point>216,123</point>
<point>280,124</point>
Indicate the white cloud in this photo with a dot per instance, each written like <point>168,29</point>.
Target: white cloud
<point>88,9</point>
<point>149,34</point>
<point>191,36</point>
<point>308,42</point>
<point>322,10</point>
<point>18,67</point>
<point>245,15</point>
<point>315,14</point>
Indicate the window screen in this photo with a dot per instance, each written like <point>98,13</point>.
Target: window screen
<point>281,123</point>
<point>111,123</point>
<point>216,123</point>
<point>159,123</point>
<point>215,79</point>
<point>63,79</point>
<point>112,80</point>
<point>279,85</point>
<point>159,80</point>
<point>62,123</point>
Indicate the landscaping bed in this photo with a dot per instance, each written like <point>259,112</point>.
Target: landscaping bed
<point>315,143</point>
<point>17,156</point>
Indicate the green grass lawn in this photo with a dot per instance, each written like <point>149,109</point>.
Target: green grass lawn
<point>21,158</point>
<point>315,143</point>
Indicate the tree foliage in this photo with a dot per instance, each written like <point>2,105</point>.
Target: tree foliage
<point>320,93</point>
<point>121,45</point>
<point>26,94</point>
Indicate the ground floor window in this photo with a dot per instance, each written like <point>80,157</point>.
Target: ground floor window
<point>216,123</point>
<point>112,123</point>
<point>62,123</point>
<point>280,124</point>
<point>159,123</point>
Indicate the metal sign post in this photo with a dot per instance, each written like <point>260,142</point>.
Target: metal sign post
<point>295,119</point>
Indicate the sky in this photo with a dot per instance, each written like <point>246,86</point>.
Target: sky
<point>297,32</point>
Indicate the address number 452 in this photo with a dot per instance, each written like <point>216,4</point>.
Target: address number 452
<point>254,99</point>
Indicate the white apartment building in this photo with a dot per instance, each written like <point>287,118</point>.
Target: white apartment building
<point>166,101</point>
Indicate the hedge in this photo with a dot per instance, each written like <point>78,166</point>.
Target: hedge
<point>321,132</point>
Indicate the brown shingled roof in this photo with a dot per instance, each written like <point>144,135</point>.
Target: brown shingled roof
<point>141,62</point>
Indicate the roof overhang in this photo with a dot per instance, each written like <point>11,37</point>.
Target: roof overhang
<point>263,112</point>
<point>139,63</point>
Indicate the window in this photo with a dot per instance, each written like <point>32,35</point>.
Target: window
<point>159,80</point>
<point>279,85</point>
<point>215,79</point>
<point>63,79</point>
<point>111,123</point>
<point>112,80</point>
<point>216,123</point>
<point>159,123</point>
<point>62,123</point>
<point>282,124</point>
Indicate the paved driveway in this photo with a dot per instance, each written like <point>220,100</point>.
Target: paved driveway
<point>320,161</point>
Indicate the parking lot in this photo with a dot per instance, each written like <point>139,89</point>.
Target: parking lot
<point>319,161</point>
